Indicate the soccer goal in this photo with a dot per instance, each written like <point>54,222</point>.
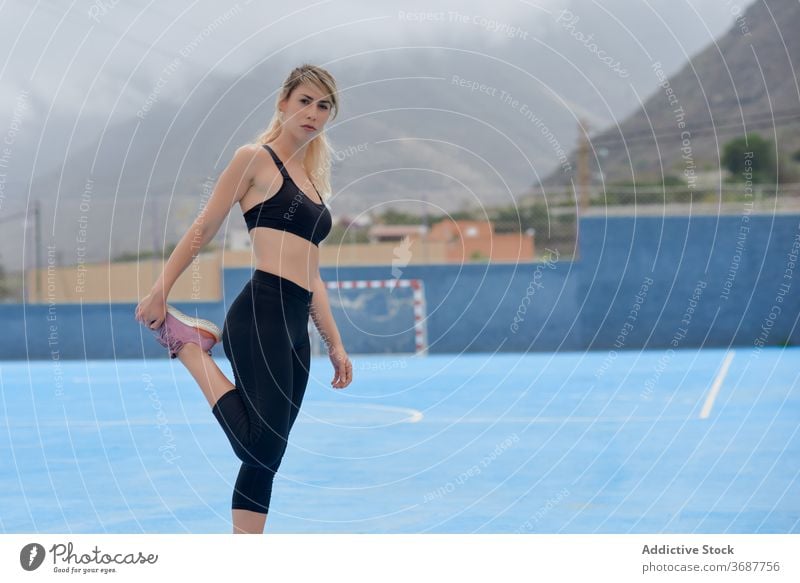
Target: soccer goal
<point>377,316</point>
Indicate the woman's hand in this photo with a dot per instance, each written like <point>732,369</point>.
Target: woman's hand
<point>152,310</point>
<point>342,367</point>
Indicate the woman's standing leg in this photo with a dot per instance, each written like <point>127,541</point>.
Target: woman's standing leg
<point>259,409</point>
<point>257,339</point>
<point>247,521</point>
<point>301,362</point>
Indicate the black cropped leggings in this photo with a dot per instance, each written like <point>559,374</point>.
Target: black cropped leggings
<point>265,337</point>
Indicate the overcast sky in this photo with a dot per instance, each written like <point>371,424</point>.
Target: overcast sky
<point>60,50</point>
<point>74,72</point>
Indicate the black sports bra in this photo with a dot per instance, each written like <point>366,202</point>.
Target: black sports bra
<point>290,209</point>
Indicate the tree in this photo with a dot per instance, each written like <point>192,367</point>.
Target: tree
<point>5,287</point>
<point>394,217</point>
<point>750,153</point>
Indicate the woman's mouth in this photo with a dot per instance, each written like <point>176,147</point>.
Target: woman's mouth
<point>309,128</point>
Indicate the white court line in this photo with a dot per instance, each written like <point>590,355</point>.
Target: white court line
<point>712,394</point>
<point>413,416</point>
<point>575,419</point>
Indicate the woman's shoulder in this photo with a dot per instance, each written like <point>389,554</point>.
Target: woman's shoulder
<point>257,158</point>
<point>252,149</point>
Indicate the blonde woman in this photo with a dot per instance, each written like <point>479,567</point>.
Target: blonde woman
<point>265,334</point>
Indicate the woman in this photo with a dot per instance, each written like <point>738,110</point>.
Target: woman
<point>265,334</point>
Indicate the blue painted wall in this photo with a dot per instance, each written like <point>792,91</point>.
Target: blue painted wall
<point>715,281</point>
<point>640,282</point>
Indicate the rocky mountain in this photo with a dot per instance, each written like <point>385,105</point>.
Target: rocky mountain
<point>122,123</point>
<point>745,81</point>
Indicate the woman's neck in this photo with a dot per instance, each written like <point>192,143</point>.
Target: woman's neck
<point>290,148</point>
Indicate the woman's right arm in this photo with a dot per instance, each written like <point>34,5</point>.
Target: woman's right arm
<point>232,185</point>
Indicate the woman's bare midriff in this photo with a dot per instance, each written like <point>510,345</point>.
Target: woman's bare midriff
<point>285,254</point>
<point>280,252</point>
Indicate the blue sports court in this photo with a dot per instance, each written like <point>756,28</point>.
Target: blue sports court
<point>690,441</point>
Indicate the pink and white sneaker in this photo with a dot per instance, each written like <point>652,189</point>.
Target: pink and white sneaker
<point>178,329</point>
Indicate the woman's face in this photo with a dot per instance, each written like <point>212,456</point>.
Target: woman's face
<point>306,111</point>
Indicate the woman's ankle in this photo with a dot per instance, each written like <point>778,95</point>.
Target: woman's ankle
<point>190,350</point>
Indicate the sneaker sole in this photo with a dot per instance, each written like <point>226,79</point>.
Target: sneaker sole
<point>199,323</point>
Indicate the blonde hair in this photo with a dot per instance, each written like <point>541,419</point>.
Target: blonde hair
<point>317,161</point>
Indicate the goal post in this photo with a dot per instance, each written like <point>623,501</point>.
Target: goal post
<point>377,315</point>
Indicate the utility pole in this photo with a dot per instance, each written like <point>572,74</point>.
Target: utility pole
<point>424,237</point>
<point>37,229</point>
<point>583,180</point>
<point>583,164</point>
<point>25,216</point>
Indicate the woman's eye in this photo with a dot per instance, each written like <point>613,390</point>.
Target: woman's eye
<point>306,100</point>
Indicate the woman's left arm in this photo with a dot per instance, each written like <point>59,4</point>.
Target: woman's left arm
<point>323,320</point>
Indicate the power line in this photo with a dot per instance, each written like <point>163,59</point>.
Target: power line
<point>754,117</point>
<point>779,189</point>
<point>702,128</point>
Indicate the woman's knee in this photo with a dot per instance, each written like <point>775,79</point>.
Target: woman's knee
<point>265,451</point>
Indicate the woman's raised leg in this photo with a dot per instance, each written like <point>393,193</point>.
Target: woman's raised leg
<point>214,384</point>
<point>205,371</point>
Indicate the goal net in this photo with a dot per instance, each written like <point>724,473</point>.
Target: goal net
<point>377,316</point>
